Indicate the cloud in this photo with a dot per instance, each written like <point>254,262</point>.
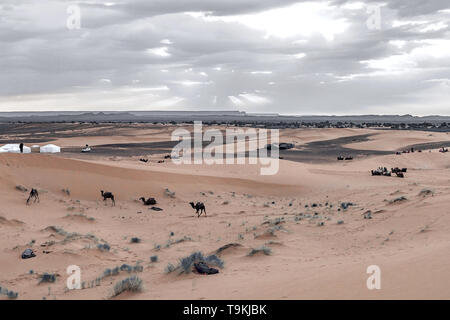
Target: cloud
<point>296,57</point>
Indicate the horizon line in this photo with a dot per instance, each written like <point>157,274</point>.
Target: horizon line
<point>230,111</point>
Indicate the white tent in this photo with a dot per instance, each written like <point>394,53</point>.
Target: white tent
<point>50,148</point>
<point>14,148</point>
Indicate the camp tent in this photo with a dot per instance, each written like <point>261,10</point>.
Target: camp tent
<point>14,148</point>
<point>50,148</point>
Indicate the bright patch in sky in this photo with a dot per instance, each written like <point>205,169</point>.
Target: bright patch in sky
<point>303,19</point>
<point>300,55</point>
<point>189,83</point>
<point>255,99</point>
<point>161,51</point>
<point>160,88</point>
<point>431,49</point>
<point>261,72</point>
<point>238,102</point>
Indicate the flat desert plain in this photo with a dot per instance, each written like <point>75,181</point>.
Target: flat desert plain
<point>316,225</point>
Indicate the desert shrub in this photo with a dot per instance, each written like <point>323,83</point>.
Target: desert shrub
<point>81,215</point>
<point>426,192</point>
<point>345,205</point>
<point>215,261</point>
<point>169,193</point>
<point>185,264</point>
<point>103,247</point>
<point>12,295</point>
<point>274,222</point>
<point>135,240</point>
<point>9,293</point>
<point>154,258</point>
<point>115,271</point>
<point>170,241</point>
<point>107,272</point>
<point>225,247</point>
<point>21,188</point>
<point>131,284</point>
<point>126,267</point>
<point>46,277</point>
<point>138,268</point>
<point>170,268</point>
<point>397,200</point>
<point>263,249</point>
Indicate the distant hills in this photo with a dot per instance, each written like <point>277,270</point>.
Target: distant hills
<point>218,116</point>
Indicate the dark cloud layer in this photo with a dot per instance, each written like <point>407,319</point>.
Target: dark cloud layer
<point>293,57</point>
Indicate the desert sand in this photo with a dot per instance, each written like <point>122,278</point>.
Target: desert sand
<point>318,248</point>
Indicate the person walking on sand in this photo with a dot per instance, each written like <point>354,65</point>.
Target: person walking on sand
<point>21,147</point>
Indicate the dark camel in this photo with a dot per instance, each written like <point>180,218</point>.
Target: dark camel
<point>108,195</point>
<point>148,202</point>
<point>199,207</point>
<point>33,195</point>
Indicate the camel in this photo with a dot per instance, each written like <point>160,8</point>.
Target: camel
<point>33,195</point>
<point>376,172</point>
<point>381,171</point>
<point>199,206</point>
<point>148,202</point>
<point>108,195</point>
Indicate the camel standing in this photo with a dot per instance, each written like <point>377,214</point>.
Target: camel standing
<point>33,195</point>
<point>199,207</point>
<point>108,195</point>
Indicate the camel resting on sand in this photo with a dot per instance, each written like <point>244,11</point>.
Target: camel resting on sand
<point>148,202</point>
<point>199,207</point>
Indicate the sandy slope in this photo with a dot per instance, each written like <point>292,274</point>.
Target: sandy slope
<point>409,240</point>
<point>396,139</point>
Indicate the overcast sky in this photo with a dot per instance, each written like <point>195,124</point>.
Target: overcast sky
<point>290,57</point>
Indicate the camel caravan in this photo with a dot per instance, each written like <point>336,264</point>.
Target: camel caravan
<point>383,171</point>
<point>411,150</point>
<point>199,206</point>
<point>340,158</point>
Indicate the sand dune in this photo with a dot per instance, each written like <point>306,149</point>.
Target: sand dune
<point>318,248</point>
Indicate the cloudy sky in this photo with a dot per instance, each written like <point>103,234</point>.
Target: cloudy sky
<point>291,57</point>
